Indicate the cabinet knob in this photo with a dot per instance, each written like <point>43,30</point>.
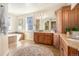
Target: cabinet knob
<point>61,48</point>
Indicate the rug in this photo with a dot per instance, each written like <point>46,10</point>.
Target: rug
<point>32,50</point>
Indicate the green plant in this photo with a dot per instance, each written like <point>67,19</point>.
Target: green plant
<point>68,29</point>
<point>75,29</point>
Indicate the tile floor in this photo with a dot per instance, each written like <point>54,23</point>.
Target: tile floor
<point>30,42</point>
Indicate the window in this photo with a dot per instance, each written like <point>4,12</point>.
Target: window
<point>30,23</point>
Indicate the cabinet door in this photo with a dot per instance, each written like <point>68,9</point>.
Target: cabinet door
<point>72,18</point>
<point>78,53</point>
<point>66,17</point>
<point>72,52</point>
<point>78,15</point>
<point>36,37</point>
<point>63,48</point>
<point>48,39</point>
<point>75,16</point>
<point>56,41</point>
<point>41,38</point>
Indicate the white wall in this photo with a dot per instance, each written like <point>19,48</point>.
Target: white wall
<point>3,45</point>
<point>13,22</point>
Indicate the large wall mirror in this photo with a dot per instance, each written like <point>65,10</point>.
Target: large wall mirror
<point>50,24</point>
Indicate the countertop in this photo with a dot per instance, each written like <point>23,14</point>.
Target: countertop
<point>45,31</point>
<point>70,42</point>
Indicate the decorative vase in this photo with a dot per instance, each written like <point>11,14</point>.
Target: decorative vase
<point>68,34</point>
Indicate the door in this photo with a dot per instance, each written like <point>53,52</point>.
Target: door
<point>29,28</point>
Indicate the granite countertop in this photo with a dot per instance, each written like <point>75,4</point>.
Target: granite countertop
<point>70,42</point>
<point>45,31</point>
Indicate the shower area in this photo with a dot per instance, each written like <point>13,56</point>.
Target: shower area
<point>3,29</point>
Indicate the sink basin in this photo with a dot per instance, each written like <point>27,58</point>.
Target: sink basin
<point>74,38</point>
<point>75,35</point>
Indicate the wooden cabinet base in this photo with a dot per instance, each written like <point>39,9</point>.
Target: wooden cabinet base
<point>66,50</point>
<point>44,38</point>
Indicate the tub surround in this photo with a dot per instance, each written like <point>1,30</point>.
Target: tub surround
<point>14,38</point>
<point>22,37</point>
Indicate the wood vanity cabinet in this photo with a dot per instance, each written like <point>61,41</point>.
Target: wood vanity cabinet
<point>44,38</point>
<point>66,50</point>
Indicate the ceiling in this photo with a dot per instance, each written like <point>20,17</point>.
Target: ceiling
<point>24,8</point>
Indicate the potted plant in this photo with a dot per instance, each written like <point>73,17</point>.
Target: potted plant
<point>75,31</point>
<point>68,31</point>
